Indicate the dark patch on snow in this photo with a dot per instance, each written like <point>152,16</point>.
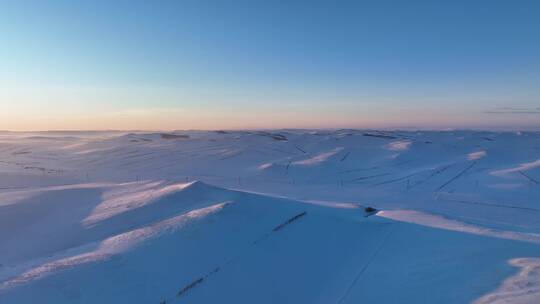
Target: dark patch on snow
<point>173,136</point>
<point>292,219</point>
<point>190,286</point>
<point>21,152</point>
<point>385,136</point>
<point>275,136</point>
<point>370,211</point>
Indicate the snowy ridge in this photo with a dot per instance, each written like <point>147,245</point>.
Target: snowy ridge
<point>109,217</point>
<point>435,221</point>
<point>523,288</point>
<point>113,245</point>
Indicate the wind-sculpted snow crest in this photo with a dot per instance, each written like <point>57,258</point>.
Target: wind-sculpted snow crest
<point>522,288</point>
<point>281,216</point>
<point>113,246</point>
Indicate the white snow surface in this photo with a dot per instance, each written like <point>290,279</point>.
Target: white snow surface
<point>476,155</point>
<point>521,288</point>
<point>522,167</point>
<point>270,217</point>
<point>399,145</point>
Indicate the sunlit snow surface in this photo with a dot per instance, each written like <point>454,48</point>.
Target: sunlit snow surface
<point>270,217</point>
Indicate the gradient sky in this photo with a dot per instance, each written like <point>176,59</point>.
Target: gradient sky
<point>269,64</point>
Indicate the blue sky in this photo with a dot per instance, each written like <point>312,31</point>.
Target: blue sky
<point>269,64</point>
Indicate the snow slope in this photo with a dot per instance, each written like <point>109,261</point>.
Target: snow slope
<point>276,216</point>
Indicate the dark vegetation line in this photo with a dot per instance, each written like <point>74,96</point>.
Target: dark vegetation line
<point>184,290</point>
<point>292,219</point>
<point>528,177</point>
<point>379,135</point>
<point>345,156</point>
<point>14,187</point>
<point>299,149</point>
<point>435,172</point>
<point>396,179</point>
<point>287,168</point>
<point>190,286</point>
<point>364,268</point>
<point>457,176</point>
<point>367,177</point>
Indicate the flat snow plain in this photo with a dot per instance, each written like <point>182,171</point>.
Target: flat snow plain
<point>270,217</point>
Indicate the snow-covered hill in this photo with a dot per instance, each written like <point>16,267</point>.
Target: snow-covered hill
<point>270,217</point>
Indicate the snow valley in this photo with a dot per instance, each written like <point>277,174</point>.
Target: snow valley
<point>287,216</point>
